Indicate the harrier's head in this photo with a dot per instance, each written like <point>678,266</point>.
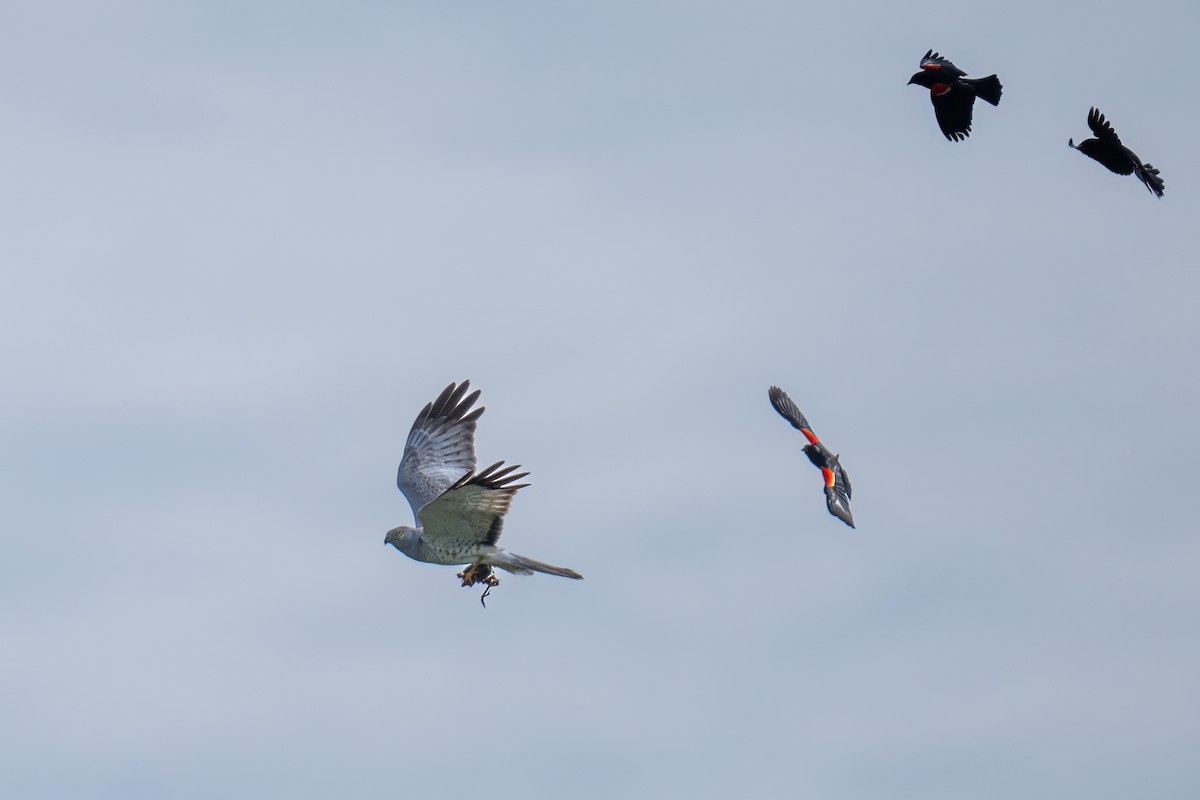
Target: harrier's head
<point>398,537</point>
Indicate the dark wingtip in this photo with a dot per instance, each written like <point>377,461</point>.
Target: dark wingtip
<point>845,516</point>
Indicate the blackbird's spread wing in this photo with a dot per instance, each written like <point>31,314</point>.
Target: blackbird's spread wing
<point>837,490</point>
<point>788,409</point>
<point>953,106</point>
<point>1106,147</point>
<point>838,505</point>
<point>934,62</point>
<point>842,478</point>
<point>1101,127</point>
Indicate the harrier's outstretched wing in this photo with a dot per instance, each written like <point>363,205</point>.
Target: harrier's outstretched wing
<point>472,509</point>
<point>440,448</point>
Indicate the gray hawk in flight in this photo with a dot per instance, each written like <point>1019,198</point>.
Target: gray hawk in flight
<point>459,511</point>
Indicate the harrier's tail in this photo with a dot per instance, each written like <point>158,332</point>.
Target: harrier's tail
<point>527,566</point>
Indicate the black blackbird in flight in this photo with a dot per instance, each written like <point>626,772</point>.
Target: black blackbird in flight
<point>953,95</point>
<point>1108,150</point>
<point>837,482</point>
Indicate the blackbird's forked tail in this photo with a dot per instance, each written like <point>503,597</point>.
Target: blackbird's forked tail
<point>988,88</point>
<point>1149,176</point>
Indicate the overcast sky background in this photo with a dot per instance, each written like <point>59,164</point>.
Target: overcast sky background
<point>245,245</point>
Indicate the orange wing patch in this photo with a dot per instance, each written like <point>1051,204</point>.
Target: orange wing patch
<point>939,89</point>
<point>828,473</point>
<point>812,437</point>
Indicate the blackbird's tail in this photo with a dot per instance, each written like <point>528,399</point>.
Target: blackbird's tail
<point>988,88</point>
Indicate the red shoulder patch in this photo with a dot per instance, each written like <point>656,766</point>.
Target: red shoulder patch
<point>939,89</point>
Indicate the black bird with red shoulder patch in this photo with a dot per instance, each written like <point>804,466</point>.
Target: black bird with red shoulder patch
<point>837,482</point>
<point>953,95</point>
<point>1106,148</point>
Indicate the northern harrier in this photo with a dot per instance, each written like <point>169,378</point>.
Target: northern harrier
<point>1106,148</point>
<point>837,482</point>
<point>953,95</point>
<point>460,511</point>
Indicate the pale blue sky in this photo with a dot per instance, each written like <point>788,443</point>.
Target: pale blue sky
<point>244,247</point>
